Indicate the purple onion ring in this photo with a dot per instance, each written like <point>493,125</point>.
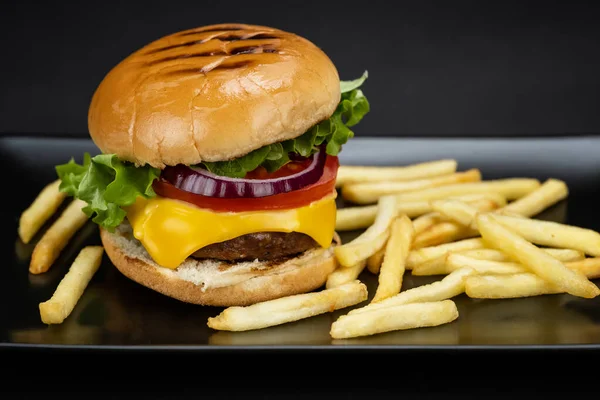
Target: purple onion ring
<point>205,183</point>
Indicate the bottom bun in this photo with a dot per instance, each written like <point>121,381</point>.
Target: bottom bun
<point>215,283</point>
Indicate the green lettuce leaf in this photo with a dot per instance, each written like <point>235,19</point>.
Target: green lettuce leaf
<point>106,184</point>
<point>348,86</point>
<point>334,131</point>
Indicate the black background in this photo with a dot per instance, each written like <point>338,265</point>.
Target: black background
<point>436,68</point>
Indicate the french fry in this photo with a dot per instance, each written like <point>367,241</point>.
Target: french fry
<point>360,217</point>
<point>452,285</point>
<point>71,287</point>
<point>394,260</point>
<point>416,257</point>
<point>442,232</point>
<point>507,286</point>
<point>57,236</point>
<point>458,211</point>
<point>524,284</point>
<point>533,258</point>
<point>342,275</point>
<point>370,192</point>
<point>500,264</point>
<point>439,235</point>
<point>563,255</point>
<point>549,193</point>
<point>461,222</point>
<point>449,229</point>
<point>43,207</point>
<point>372,239</point>
<point>437,266</point>
<point>354,218</point>
<point>590,267</point>
<point>554,234</point>
<point>426,221</point>
<point>407,316</point>
<point>510,189</point>
<point>312,332</point>
<point>374,262</point>
<point>475,198</point>
<point>352,173</point>
<point>289,308</point>
<point>456,261</point>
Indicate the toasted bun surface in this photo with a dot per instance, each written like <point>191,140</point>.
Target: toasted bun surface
<point>212,94</point>
<point>210,282</point>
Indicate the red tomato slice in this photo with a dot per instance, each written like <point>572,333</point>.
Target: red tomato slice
<point>288,169</point>
<point>295,199</point>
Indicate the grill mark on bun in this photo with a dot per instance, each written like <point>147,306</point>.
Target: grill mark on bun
<point>223,66</point>
<point>253,50</point>
<point>214,29</point>
<point>237,51</point>
<point>226,38</point>
<point>176,46</point>
<point>226,43</point>
<point>187,55</point>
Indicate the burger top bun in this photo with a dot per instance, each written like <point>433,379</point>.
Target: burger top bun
<point>212,94</point>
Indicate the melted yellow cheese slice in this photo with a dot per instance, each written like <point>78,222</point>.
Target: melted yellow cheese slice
<point>171,230</point>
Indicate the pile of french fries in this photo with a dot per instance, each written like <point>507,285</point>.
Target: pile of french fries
<point>49,247</point>
<point>479,236</point>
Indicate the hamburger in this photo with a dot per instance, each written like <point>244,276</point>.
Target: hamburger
<point>215,180</point>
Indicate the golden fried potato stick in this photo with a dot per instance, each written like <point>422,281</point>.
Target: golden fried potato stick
<point>342,275</point>
<point>589,267</point>
<point>71,287</point>
<point>452,285</point>
<point>441,233</point>
<point>554,234</point>
<point>429,169</point>
<point>450,229</point>
<point>439,265</point>
<point>374,262</point>
<point>456,261</point>
<point>426,221</point>
<point>57,237</point>
<point>551,192</point>
<point>524,284</point>
<point>360,217</point>
<point>510,189</point>
<point>458,211</point>
<point>394,259</point>
<point>42,208</point>
<point>289,308</point>
<point>406,316</point>
<point>553,271</point>
<point>416,257</point>
<point>373,239</point>
<point>507,286</point>
<point>485,203</point>
<point>370,192</point>
<point>563,255</point>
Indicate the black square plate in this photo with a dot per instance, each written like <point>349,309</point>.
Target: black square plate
<point>116,313</point>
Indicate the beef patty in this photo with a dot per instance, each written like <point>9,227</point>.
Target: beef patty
<point>264,246</point>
